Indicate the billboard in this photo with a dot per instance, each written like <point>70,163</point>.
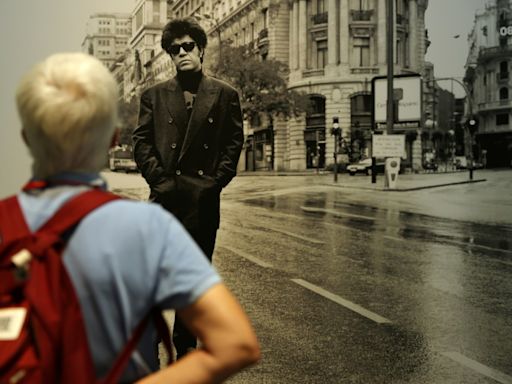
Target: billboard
<point>407,93</point>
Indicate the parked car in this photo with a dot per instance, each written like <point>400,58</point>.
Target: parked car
<point>430,166</point>
<point>461,162</point>
<point>121,159</point>
<point>365,166</point>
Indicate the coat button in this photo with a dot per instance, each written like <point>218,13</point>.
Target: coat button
<point>178,172</point>
<point>170,120</point>
<point>210,120</point>
<point>173,145</point>
<point>205,146</point>
<point>200,172</point>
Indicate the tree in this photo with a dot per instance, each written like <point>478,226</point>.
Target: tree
<point>128,114</point>
<point>262,85</point>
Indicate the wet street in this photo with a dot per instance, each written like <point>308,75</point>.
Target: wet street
<point>352,285</point>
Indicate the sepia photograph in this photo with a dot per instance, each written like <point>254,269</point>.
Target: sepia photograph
<point>256,191</point>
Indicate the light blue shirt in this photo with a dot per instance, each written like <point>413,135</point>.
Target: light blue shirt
<point>124,258</point>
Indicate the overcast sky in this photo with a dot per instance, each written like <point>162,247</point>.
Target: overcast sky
<point>31,30</point>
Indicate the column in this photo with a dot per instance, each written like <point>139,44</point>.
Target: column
<point>295,31</point>
<point>344,31</point>
<point>413,35</point>
<point>332,28</point>
<point>303,35</point>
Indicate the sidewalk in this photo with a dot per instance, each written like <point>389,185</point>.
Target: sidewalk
<point>405,182</point>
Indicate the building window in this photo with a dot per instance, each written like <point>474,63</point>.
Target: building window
<point>361,52</point>
<point>264,11</point>
<point>321,54</point>
<point>502,119</point>
<point>138,18</point>
<point>504,93</point>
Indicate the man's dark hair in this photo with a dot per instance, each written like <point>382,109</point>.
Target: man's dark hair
<point>177,28</point>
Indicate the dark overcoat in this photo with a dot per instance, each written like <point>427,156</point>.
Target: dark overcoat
<point>187,162</point>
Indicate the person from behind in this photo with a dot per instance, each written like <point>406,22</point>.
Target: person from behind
<point>125,258</point>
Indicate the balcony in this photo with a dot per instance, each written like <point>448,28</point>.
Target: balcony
<point>364,71</point>
<point>319,18</point>
<point>495,105</point>
<point>502,77</point>
<point>263,41</point>
<point>487,54</point>
<point>313,72</point>
<point>361,15</point>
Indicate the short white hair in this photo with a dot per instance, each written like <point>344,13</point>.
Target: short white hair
<point>68,108</point>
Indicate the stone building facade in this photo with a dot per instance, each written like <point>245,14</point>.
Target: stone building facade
<point>489,79</point>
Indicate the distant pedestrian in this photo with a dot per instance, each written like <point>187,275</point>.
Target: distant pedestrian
<point>126,258</point>
<point>188,141</point>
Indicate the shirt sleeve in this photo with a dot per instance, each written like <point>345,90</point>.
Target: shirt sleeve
<point>184,273</point>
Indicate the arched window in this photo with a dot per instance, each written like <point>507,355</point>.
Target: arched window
<point>504,93</point>
<point>314,135</point>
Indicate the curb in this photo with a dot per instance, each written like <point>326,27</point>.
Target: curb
<point>406,189</point>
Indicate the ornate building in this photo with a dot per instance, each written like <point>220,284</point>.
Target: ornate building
<point>333,48</point>
<point>488,78</point>
<point>336,48</point>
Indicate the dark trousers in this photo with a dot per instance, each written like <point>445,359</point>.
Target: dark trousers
<point>182,339</point>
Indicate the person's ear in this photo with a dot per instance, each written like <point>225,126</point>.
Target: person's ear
<point>115,138</point>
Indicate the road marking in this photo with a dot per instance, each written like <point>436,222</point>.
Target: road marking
<point>341,301</point>
<point>247,256</point>
<point>335,213</point>
<point>295,235</point>
<point>478,367</point>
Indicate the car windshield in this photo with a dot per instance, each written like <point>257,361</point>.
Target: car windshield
<point>120,154</point>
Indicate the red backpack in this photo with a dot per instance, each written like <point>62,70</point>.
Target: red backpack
<point>42,333</point>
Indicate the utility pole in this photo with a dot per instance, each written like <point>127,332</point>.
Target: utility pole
<point>390,44</point>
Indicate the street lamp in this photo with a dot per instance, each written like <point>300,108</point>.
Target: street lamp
<point>336,132</point>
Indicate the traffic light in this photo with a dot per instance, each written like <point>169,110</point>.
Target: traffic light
<point>472,124</point>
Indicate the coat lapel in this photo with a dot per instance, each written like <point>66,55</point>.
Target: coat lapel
<point>176,106</point>
<point>206,97</point>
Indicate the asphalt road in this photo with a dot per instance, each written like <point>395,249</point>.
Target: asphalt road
<point>349,285</point>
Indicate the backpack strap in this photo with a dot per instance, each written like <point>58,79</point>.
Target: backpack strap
<point>12,221</point>
<point>122,359</point>
<point>74,210</point>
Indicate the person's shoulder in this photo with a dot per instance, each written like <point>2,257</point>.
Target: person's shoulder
<point>134,213</point>
<point>156,88</point>
<point>222,84</point>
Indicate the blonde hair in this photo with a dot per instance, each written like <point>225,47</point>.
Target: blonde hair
<point>68,108</point>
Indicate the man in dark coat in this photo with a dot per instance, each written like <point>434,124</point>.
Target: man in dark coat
<point>188,141</point>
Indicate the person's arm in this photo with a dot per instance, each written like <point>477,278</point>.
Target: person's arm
<point>145,154</point>
<point>228,341</point>
<point>232,142</point>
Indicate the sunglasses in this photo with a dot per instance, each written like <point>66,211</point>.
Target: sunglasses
<point>174,49</point>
